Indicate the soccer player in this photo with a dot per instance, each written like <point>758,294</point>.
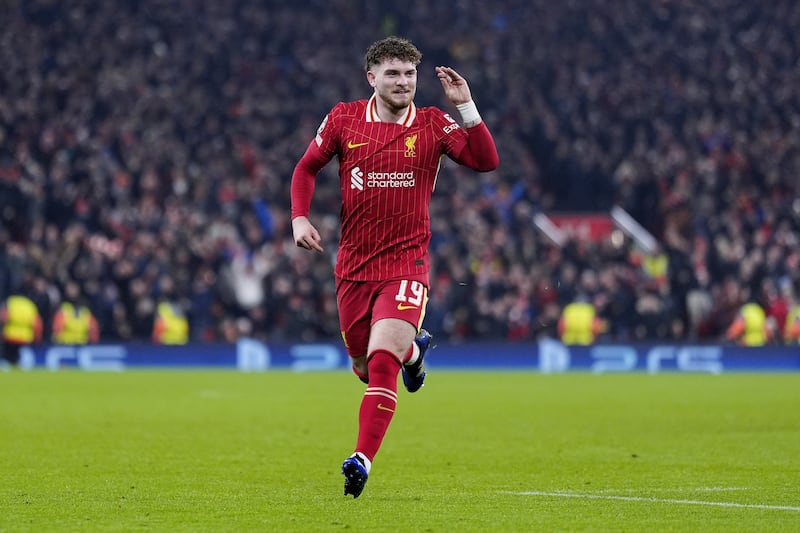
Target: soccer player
<point>389,153</point>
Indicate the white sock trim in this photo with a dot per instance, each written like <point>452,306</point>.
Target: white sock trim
<point>414,354</point>
<point>367,462</point>
<point>469,113</point>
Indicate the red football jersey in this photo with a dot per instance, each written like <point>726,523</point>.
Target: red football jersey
<point>387,174</point>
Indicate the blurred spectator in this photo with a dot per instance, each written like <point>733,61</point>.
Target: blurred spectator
<point>750,327</point>
<point>246,274</point>
<point>146,138</point>
<point>791,330</point>
<point>655,316</point>
<point>21,326</point>
<point>74,322</point>
<point>170,325</point>
<point>791,326</point>
<point>579,323</point>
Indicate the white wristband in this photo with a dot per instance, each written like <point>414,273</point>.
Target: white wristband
<point>469,113</point>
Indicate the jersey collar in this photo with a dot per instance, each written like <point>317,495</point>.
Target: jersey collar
<point>372,113</point>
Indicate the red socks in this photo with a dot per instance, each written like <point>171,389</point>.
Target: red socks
<point>379,402</point>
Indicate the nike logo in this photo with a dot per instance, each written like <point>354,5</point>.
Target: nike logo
<point>403,307</point>
<point>384,408</point>
<point>351,144</point>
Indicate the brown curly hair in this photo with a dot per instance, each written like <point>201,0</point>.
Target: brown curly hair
<point>391,48</point>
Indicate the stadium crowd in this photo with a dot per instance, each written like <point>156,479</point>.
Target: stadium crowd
<point>146,149</point>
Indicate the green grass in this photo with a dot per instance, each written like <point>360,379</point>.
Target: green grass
<point>226,451</point>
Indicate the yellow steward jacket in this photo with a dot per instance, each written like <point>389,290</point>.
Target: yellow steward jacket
<point>21,321</point>
<point>755,325</point>
<point>791,329</point>
<point>577,324</point>
<point>170,327</point>
<point>72,325</point>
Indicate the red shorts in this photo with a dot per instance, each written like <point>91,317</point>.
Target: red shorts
<point>362,303</point>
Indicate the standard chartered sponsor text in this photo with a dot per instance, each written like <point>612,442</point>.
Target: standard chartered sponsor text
<point>390,179</point>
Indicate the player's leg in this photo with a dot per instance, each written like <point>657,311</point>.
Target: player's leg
<point>355,315</point>
<point>408,299</point>
<point>388,340</point>
<point>403,299</point>
<point>414,364</point>
<point>397,310</point>
<point>355,321</point>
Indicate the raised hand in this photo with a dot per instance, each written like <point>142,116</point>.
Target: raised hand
<point>455,86</point>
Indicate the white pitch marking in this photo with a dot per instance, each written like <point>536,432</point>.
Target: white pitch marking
<point>656,500</point>
<point>679,489</point>
<point>718,489</point>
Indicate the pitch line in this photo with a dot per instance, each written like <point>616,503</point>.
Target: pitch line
<point>656,500</point>
<point>673,490</point>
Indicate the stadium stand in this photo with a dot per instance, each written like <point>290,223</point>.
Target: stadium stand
<point>149,144</point>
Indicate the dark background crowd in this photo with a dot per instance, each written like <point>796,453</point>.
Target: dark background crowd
<point>146,150</point>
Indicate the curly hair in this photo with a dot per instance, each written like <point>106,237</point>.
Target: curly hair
<point>391,48</point>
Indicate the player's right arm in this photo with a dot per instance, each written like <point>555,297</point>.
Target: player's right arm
<point>304,177</point>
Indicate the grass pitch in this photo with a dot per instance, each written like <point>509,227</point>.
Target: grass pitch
<point>472,451</point>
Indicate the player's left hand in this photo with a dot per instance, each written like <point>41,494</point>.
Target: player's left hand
<point>455,86</point>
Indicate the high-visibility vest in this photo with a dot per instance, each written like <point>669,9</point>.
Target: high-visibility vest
<point>171,326</point>
<point>21,319</point>
<point>656,266</point>
<point>75,323</point>
<point>791,329</point>
<point>755,321</point>
<point>578,322</point>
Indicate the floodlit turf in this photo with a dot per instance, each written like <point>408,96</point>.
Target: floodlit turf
<point>472,451</point>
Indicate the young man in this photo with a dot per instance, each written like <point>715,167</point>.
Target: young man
<point>389,153</point>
